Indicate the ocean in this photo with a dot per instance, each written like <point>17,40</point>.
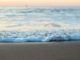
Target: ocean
<point>39,24</point>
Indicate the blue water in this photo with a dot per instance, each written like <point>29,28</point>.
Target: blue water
<point>39,24</point>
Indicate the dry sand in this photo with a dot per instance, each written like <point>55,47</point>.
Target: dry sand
<point>40,51</point>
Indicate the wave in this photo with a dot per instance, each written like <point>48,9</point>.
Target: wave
<point>40,36</point>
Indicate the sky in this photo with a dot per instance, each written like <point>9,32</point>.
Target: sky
<point>39,2</point>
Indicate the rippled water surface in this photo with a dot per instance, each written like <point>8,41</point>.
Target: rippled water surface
<point>22,24</point>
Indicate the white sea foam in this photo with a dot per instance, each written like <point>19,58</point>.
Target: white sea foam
<point>21,24</point>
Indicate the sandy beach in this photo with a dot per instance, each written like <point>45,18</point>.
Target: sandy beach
<point>40,51</point>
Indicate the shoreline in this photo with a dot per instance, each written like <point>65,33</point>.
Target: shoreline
<point>40,51</point>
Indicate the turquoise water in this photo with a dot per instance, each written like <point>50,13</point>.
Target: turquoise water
<point>39,24</point>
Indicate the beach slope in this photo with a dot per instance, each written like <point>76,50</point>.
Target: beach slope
<point>40,51</point>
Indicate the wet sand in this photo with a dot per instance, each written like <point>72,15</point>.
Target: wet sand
<point>40,51</point>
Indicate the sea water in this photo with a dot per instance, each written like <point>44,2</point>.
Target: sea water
<point>39,24</point>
